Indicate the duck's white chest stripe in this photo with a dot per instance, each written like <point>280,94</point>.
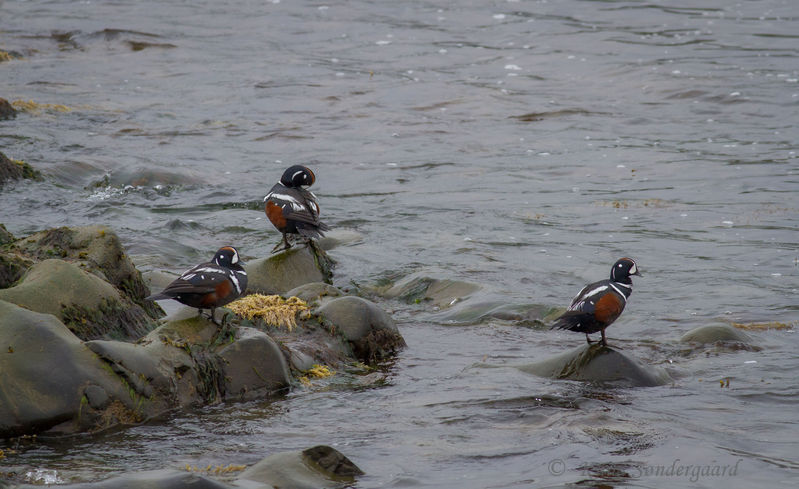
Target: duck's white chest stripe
<point>617,289</point>
<point>295,204</point>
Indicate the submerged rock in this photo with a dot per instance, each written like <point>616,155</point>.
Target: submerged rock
<point>313,468</point>
<point>283,271</point>
<point>535,314</point>
<point>716,333</point>
<point>442,293</point>
<point>598,363</point>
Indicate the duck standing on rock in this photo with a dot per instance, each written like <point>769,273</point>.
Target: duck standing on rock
<point>600,303</point>
<point>292,208</point>
<point>209,285</point>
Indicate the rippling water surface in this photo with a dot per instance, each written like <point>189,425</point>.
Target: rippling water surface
<point>521,145</point>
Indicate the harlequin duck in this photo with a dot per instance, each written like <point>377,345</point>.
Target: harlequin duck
<point>292,208</point>
<point>209,285</point>
<point>600,303</point>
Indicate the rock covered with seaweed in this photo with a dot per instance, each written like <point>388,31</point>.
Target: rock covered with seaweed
<point>83,351</point>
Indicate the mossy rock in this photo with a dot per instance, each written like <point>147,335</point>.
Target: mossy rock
<point>89,306</point>
<point>600,364</point>
<point>283,271</point>
<point>12,267</point>
<point>98,250</point>
<point>16,169</point>
<point>45,372</point>
<point>5,236</point>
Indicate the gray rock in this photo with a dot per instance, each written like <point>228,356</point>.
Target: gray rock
<point>597,363</point>
<point>135,363</point>
<point>369,329</point>
<point>89,306</point>
<point>45,370</point>
<point>355,317</point>
<point>254,366</point>
<point>316,467</point>
<point>314,291</point>
<point>97,396</point>
<point>716,333</point>
<point>286,270</point>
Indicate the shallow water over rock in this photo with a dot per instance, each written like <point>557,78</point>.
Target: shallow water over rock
<point>518,146</point>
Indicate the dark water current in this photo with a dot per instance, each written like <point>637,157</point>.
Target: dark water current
<point>521,145</point>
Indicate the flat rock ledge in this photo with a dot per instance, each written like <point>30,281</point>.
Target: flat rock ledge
<point>80,351</point>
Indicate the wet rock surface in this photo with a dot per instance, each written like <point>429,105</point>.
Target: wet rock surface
<point>600,364</point>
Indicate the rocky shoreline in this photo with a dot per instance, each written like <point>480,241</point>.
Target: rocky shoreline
<point>83,352</point>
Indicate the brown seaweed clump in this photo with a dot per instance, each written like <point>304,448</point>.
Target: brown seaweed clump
<point>272,309</point>
<point>36,108</point>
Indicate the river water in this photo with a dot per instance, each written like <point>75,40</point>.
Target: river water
<point>520,145</point>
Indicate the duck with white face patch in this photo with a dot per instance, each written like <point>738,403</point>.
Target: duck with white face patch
<point>600,303</point>
<point>209,285</point>
<point>292,208</point>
